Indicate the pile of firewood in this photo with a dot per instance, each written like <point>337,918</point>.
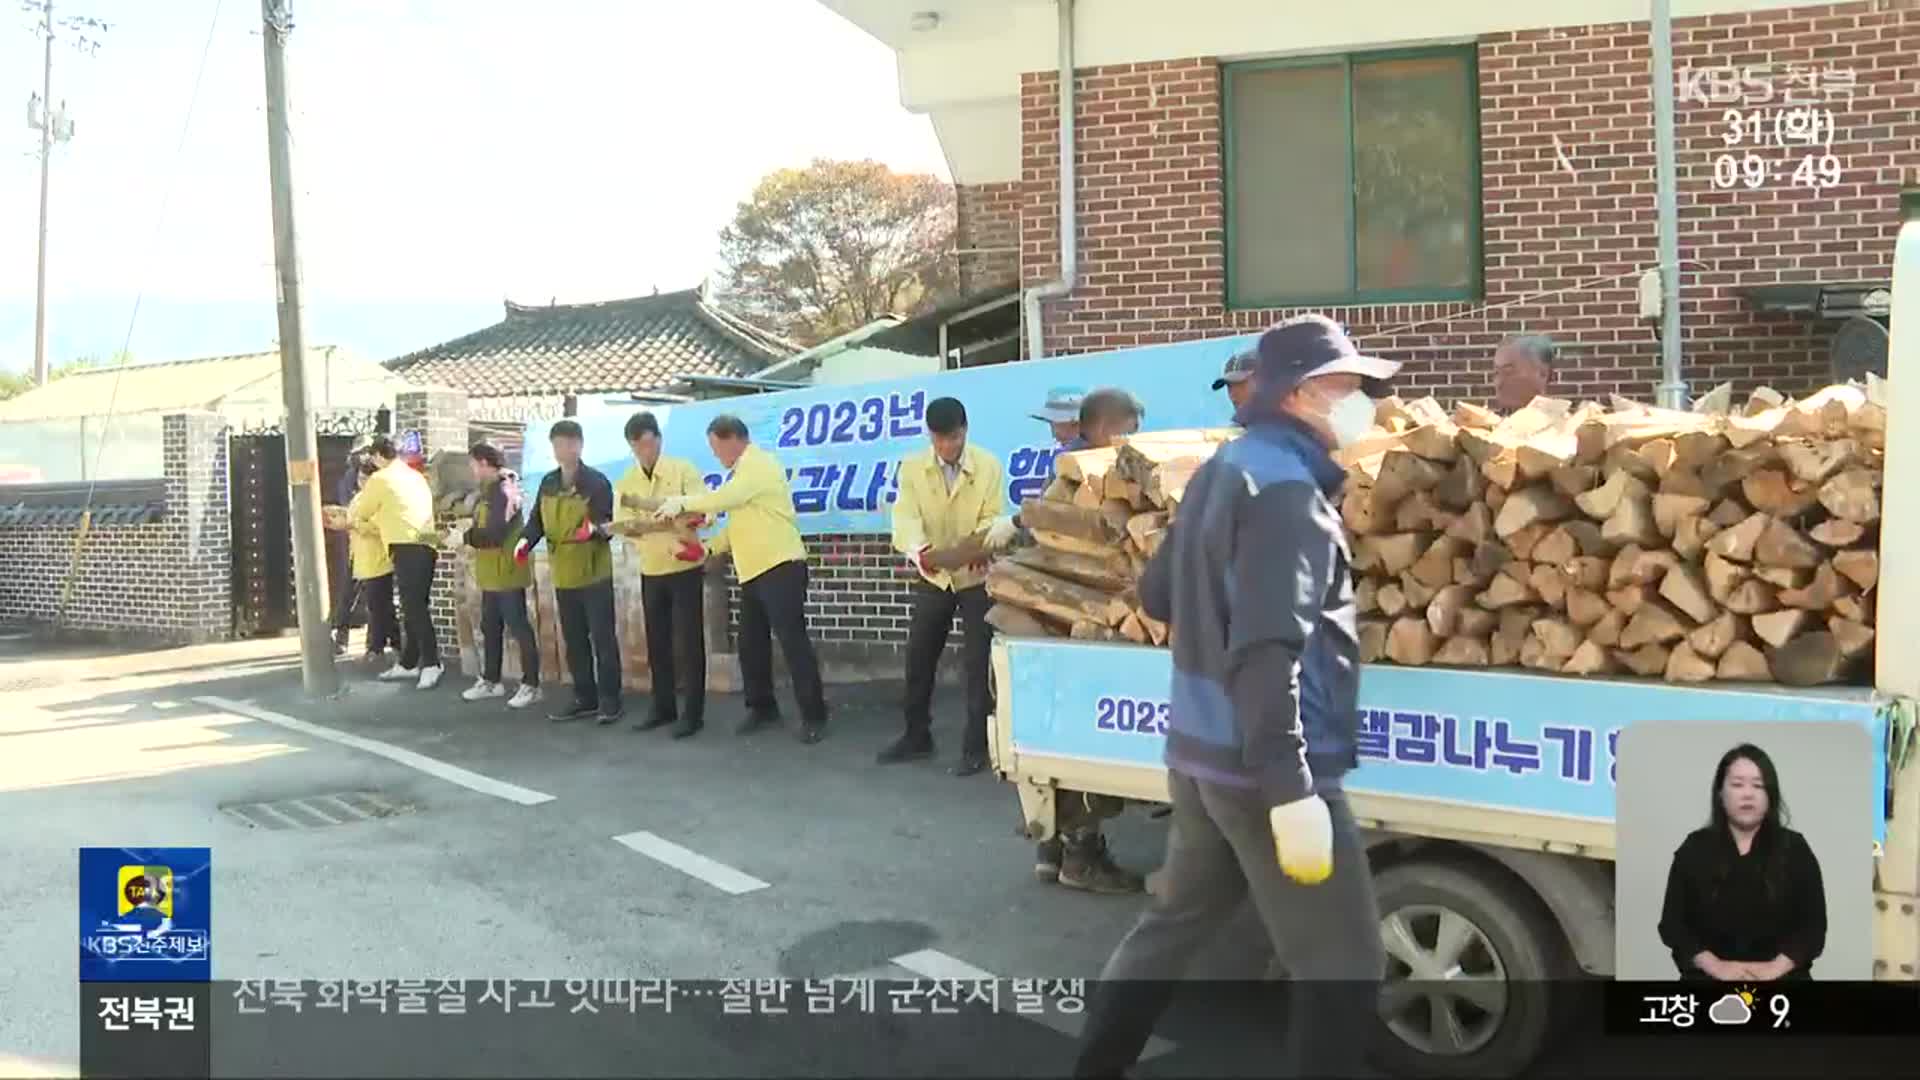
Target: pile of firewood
<point>1717,543</point>
<point>1710,544</point>
<point>1094,528</point>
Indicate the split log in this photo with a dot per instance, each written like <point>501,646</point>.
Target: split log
<point>1362,514</point>
<point>1402,473</point>
<point>1861,567</point>
<point>1649,660</point>
<point>1418,593</point>
<point>1672,511</point>
<point>1776,628</point>
<point>1638,566</point>
<point>1585,607</point>
<point>1094,631</point>
<point>1591,658</point>
<point>1529,506</point>
<point>1737,543</point>
<point>1589,537</point>
<point>1434,442</point>
<point>1826,588</point>
<point>1716,402</point>
<point>1373,640</point>
<point>1090,496</point>
<point>1395,553</point>
<point>1691,537</point>
<point>1109,573</point>
<point>1392,600</point>
<point>1495,498</point>
<point>1808,660</point>
<point>1838,532</point>
<point>1490,559</point>
<point>1434,568</point>
<point>1772,491</point>
<point>1134,630</point>
<point>1473,526</point>
<point>1141,528</point>
<point>1411,642</point>
<point>1687,666</point>
<point>1781,544</point>
<point>1743,663</point>
<point>1686,482</point>
<point>1505,592</point>
<point>1817,462</point>
<point>1019,622</point>
<point>1728,513</point>
<point>1535,654</point>
<point>1682,587</point>
<point>1858,608</point>
<point>1060,489</point>
<point>1474,622</point>
<point>1601,502</point>
<point>1655,623</point>
<point>1122,606</point>
<point>1588,572</point>
<point>1523,542</point>
<point>1784,577</point>
<point>1067,519</point>
<point>1574,481</point>
<point>1516,625</point>
<point>1418,511</point>
<point>1752,597</point>
<point>1852,496</point>
<point>1695,450</point>
<point>1559,637</point>
<point>1462,487</point>
<point>1160,633</point>
<point>1734,466</point>
<point>1632,522</point>
<point>1550,582</point>
<point>1464,652</point>
<point>1607,631</point>
<point>1854,638</point>
<point>1443,611</point>
<point>1714,638</point>
<point>1083,465</point>
<point>1366,599</point>
<point>1464,573</point>
<point>1476,417</point>
<point>1022,586</point>
<point>1629,599</point>
<point>1558,549</point>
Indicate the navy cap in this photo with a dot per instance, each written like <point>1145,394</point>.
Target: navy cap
<point>1306,346</point>
<point>1239,368</point>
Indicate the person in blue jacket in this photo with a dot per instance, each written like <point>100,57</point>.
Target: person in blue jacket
<point>1254,580</point>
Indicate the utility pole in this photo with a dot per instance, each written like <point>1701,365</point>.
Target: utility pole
<point>303,466</point>
<point>54,127</point>
<point>1673,382</point>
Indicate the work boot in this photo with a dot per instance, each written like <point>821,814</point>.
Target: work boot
<point>654,720</point>
<point>1046,860</point>
<point>688,727</point>
<point>811,731</point>
<point>1089,868</point>
<point>756,720</point>
<point>969,765</point>
<point>908,747</point>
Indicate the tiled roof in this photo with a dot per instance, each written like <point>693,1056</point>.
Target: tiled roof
<point>250,381</point>
<point>615,346</point>
<point>113,502</point>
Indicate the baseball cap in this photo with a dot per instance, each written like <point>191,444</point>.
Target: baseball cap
<point>1063,405</point>
<point>1310,345</point>
<point>1239,368</point>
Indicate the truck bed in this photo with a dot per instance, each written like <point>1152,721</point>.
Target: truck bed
<point>1493,757</point>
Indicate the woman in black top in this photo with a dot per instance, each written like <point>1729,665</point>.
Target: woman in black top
<point>1745,902</point>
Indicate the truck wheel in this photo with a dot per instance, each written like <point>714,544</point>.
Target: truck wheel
<point>1468,959</point>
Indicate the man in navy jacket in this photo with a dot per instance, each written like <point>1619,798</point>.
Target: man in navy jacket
<point>1254,580</point>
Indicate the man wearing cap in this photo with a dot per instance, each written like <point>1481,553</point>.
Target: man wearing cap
<point>1236,379</point>
<point>1255,580</point>
<point>1062,413</point>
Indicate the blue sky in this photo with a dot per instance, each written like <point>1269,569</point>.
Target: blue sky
<point>449,154</point>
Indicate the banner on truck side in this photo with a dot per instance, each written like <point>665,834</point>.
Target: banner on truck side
<point>842,445</point>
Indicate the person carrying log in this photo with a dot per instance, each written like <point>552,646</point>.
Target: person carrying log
<point>672,577</point>
<point>398,502</point>
<point>573,512</point>
<point>1255,582</point>
<point>950,498</point>
<point>1077,856</point>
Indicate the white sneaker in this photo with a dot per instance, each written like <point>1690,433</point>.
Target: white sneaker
<point>396,673</point>
<point>525,696</point>
<point>482,689</point>
<point>430,676</point>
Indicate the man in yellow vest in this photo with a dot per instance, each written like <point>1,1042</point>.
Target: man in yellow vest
<point>763,535</point>
<point>672,585</point>
<point>503,580</point>
<point>572,513</point>
<point>398,501</point>
<point>947,495</point>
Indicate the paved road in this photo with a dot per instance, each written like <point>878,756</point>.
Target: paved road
<point>525,849</point>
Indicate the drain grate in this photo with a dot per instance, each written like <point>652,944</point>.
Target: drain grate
<point>316,811</point>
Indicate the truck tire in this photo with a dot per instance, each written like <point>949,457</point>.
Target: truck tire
<point>1476,1000</point>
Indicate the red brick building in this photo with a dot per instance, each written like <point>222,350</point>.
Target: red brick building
<point>1435,175</point>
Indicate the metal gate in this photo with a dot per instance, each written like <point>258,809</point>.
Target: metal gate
<point>262,537</point>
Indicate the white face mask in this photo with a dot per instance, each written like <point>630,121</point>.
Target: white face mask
<point>1350,418</point>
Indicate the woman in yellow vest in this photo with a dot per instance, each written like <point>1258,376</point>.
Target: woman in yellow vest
<point>502,579</point>
<point>372,568</point>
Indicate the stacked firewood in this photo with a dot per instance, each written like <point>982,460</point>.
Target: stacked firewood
<point>1094,528</point>
<point>1709,544</point>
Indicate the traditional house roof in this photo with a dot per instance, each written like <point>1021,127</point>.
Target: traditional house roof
<point>613,346</point>
<point>247,384</point>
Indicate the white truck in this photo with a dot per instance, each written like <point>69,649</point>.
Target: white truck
<point>1500,829</point>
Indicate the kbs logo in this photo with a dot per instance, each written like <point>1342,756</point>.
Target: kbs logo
<point>1751,84</point>
<point>146,887</point>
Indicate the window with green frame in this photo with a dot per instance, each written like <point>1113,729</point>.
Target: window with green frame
<point>1353,179</point>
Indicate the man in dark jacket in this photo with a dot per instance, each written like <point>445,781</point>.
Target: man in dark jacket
<point>1254,579</point>
<point>573,512</point>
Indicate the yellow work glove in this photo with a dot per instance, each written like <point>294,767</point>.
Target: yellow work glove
<point>1303,839</point>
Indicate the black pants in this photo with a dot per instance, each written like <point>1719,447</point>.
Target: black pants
<point>413,576</point>
<point>1220,854</point>
<point>933,611</point>
<point>593,649</point>
<point>383,629</point>
<point>499,612</point>
<point>774,605</point>
<point>675,608</point>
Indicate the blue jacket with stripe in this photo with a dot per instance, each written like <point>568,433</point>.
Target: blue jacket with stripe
<point>1254,579</point>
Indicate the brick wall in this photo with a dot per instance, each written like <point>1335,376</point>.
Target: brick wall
<point>987,231</point>
<point>169,580</point>
<point>1152,205</point>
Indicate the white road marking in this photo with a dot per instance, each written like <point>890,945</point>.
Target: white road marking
<point>452,774</point>
<point>692,863</point>
<point>936,965</point>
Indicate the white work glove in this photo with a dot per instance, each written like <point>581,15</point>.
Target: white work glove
<point>1001,533</point>
<point>1303,839</point>
<point>673,506</point>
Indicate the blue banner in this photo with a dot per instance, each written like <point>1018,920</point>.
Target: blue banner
<point>1499,739</point>
<point>842,445</point>
<point>146,914</point>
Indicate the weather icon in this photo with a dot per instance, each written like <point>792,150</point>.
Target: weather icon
<point>1734,1008</point>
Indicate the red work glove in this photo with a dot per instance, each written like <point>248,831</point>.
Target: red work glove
<point>520,552</point>
<point>696,521</point>
<point>923,560</point>
<point>584,533</point>
<point>691,551</point>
